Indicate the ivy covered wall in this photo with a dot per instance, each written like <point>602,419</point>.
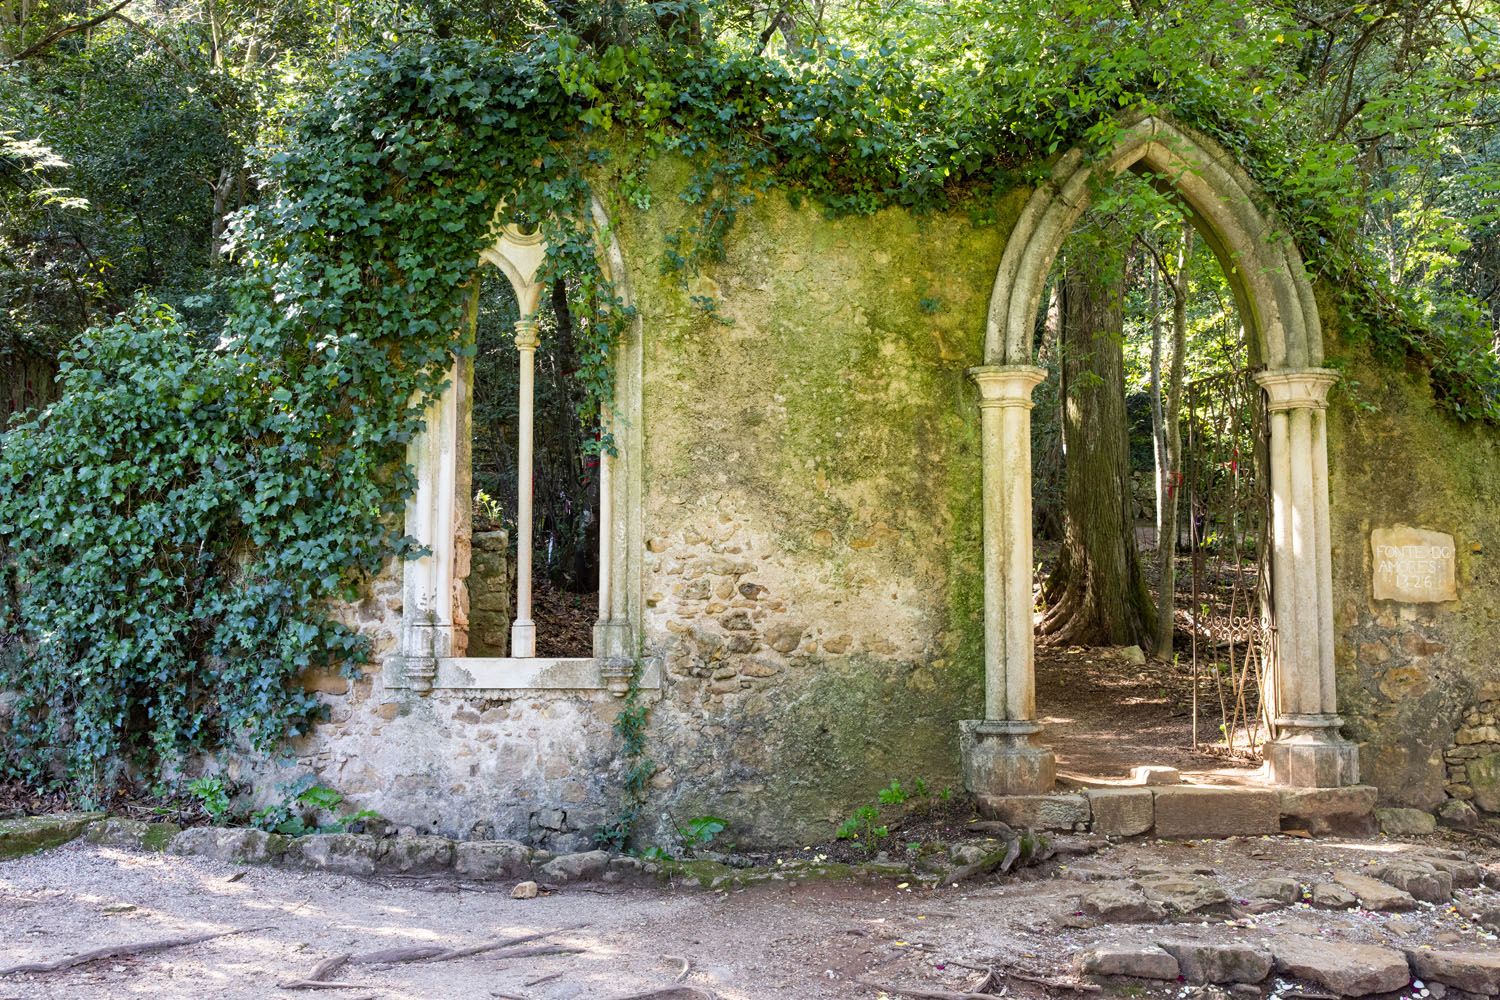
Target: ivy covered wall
<point>812,582</point>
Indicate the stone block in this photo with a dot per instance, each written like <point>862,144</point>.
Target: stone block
<point>1332,896</point>
<point>1344,968</point>
<point>1418,878</point>
<point>1194,811</point>
<point>1484,779</point>
<point>415,855</point>
<point>1000,765</point>
<point>1471,971</point>
<point>486,859</point>
<point>1458,814</point>
<point>1464,873</point>
<point>1313,765</point>
<point>1120,904</point>
<point>116,831</point>
<point>1185,894</point>
<point>577,867</point>
<point>349,853</point>
<point>1139,961</point>
<point>1036,812</point>
<point>1402,822</point>
<point>1205,962</point>
<point>1121,812</point>
<point>1280,890</point>
<point>253,847</point>
<point>1374,894</point>
<point>27,834</point>
<point>1155,774</point>
<point>1345,811</point>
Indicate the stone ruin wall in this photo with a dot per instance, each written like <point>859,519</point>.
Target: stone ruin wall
<point>811,575</point>
<point>1417,681</point>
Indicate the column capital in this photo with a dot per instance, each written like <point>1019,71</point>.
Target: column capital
<point>526,338</point>
<point>1006,385</point>
<point>1297,388</point>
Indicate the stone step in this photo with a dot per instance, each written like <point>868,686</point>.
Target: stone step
<point>1191,811</point>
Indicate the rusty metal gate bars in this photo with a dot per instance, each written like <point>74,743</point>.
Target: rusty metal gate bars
<point>1225,454</point>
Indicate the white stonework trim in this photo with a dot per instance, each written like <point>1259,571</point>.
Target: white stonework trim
<point>1277,305</point>
<point>425,659</point>
<point>532,673</point>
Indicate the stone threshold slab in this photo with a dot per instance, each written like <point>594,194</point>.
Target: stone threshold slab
<point>1191,811</point>
<point>532,673</point>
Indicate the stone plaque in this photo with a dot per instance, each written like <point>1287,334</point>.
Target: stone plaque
<point>1413,565</point>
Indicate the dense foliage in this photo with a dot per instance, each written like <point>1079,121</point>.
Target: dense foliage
<point>252,470</point>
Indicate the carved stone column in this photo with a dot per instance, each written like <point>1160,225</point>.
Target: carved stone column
<point>523,631</point>
<point>1000,753</point>
<point>1308,750</point>
<point>612,628</point>
<point>427,582</point>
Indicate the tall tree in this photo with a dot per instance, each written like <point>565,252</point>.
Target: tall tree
<point>1166,412</point>
<point>1097,593</point>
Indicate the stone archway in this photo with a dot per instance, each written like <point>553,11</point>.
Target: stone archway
<point>1002,753</point>
<point>431,655</point>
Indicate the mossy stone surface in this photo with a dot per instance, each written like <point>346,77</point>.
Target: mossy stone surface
<point>29,834</point>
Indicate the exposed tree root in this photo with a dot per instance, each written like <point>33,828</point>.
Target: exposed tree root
<point>121,951</point>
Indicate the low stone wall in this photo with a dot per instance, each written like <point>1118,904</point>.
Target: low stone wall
<point>489,587</point>
<point>999,851</point>
<point>1474,759</point>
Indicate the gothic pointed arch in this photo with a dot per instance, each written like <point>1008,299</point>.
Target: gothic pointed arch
<point>1003,753</point>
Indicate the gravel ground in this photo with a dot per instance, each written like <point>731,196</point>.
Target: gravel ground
<point>763,943</point>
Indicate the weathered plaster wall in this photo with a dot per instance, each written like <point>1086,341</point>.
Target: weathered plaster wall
<point>534,766</point>
<point>1409,674</point>
<point>812,579</point>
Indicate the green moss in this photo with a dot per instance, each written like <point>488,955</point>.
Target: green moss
<point>159,835</point>
<point>30,834</point>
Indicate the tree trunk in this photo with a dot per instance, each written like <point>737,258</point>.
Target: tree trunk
<point>1167,499</point>
<point>1097,593</point>
<point>1046,428</point>
<point>1158,419</point>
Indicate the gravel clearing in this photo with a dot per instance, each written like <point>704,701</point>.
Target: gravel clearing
<point>767,942</point>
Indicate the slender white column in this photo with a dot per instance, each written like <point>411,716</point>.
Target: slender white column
<point>1020,639</point>
<point>1327,668</point>
<point>606,528</point>
<point>1000,756</point>
<point>523,631</point>
<point>1308,749</point>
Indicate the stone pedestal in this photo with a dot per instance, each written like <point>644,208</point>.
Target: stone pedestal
<point>1004,758</point>
<point>1308,752</point>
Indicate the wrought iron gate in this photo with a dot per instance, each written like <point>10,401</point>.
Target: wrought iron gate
<point>1227,594</point>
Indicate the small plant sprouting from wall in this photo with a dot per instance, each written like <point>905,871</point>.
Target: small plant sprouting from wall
<point>638,767</point>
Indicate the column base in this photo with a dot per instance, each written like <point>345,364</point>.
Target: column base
<point>1309,752</point>
<point>523,639</point>
<point>612,638</point>
<point>1003,758</point>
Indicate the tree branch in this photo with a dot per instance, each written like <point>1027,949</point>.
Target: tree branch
<point>51,39</point>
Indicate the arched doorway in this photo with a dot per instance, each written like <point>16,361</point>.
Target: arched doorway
<point>1003,754</point>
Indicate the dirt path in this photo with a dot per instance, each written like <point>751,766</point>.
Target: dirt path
<point>774,942</point>
<point>1104,716</point>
